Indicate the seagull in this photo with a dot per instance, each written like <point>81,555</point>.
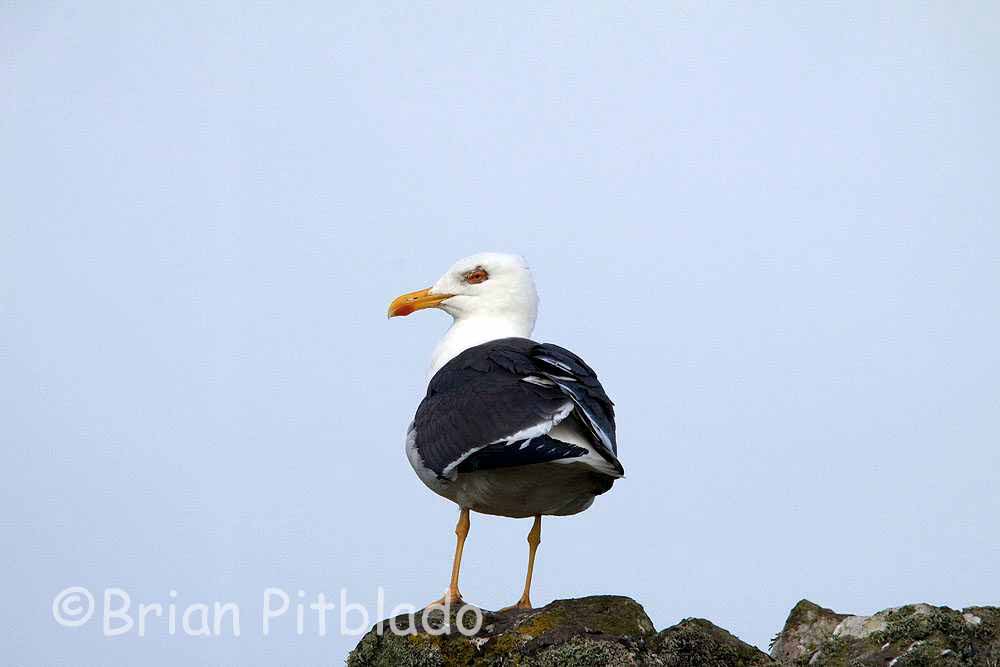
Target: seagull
<point>508,427</point>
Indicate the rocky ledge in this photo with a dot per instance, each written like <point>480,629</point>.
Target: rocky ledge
<point>600,630</point>
<point>613,630</point>
<point>915,634</point>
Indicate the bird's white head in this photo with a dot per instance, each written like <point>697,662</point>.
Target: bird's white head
<point>490,295</point>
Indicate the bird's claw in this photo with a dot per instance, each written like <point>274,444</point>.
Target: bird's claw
<point>523,603</point>
<point>450,599</point>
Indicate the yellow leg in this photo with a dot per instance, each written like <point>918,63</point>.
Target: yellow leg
<point>534,539</point>
<point>453,596</point>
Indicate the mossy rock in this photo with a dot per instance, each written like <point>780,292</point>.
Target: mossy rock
<point>911,636</point>
<point>808,626</point>
<point>697,642</point>
<point>593,631</point>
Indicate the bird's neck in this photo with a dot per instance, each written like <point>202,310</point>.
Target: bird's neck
<point>468,332</point>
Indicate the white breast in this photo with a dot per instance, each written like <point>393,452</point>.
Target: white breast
<point>469,332</point>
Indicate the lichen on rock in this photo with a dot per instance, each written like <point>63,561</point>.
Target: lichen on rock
<point>807,627</point>
<point>593,631</point>
<point>695,641</point>
<point>908,636</point>
<point>615,631</point>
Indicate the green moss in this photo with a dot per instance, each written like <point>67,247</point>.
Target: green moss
<point>695,641</point>
<point>915,636</point>
<point>391,650</point>
<point>505,644</point>
<point>583,653</point>
<point>909,624</point>
<point>457,651</point>
<point>608,614</point>
<point>536,625</point>
<point>600,630</point>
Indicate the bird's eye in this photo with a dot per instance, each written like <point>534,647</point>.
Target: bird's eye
<point>476,276</point>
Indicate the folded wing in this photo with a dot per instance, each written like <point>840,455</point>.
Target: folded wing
<point>514,402</point>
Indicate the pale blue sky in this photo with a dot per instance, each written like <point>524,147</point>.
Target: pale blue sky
<point>773,229</point>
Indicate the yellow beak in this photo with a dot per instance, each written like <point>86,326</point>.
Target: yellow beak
<point>407,303</point>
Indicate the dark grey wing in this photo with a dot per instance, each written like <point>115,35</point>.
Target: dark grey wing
<point>479,399</point>
<point>493,405</point>
<point>579,382</point>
